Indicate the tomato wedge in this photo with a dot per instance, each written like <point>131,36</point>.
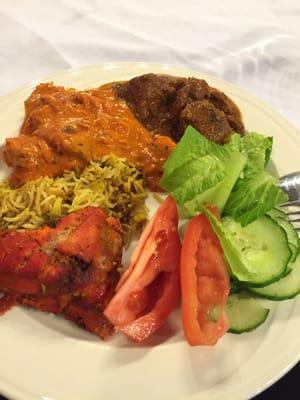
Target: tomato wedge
<point>148,290</point>
<point>204,282</point>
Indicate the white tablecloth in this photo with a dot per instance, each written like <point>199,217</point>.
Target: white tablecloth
<point>255,44</point>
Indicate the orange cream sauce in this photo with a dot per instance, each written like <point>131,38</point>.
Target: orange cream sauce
<point>65,129</point>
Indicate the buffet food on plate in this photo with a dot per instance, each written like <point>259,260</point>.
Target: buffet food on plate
<point>82,167</point>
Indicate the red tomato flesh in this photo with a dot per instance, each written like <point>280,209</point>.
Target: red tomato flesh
<point>204,282</point>
<point>148,290</point>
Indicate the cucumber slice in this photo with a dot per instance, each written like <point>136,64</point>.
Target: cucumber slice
<point>257,254</point>
<point>276,213</point>
<point>292,234</point>
<point>286,288</point>
<point>244,313</point>
<point>263,247</point>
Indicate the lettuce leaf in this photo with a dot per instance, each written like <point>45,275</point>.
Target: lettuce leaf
<point>204,171</point>
<point>200,171</point>
<point>257,148</point>
<point>253,196</point>
<point>255,192</point>
<point>231,176</point>
<point>192,146</point>
<point>237,267</point>
<point>219,193</point>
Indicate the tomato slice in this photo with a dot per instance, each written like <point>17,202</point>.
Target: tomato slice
<point>204,282</point>
<point>148,290</point>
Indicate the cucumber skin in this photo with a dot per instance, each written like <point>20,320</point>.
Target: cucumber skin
<point>295,252</point>
<point>273,298</point>
<point>237,286</point>
<point>250,329</point>
<point>234,301</point>
<point>291,295</point>
<point>264,284</point>
<point>240,286</point>
<point>278,215</point>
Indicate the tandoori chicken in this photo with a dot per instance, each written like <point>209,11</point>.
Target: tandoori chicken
<point>70,269</point>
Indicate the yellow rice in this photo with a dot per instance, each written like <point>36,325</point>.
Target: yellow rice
<point>111,183</point>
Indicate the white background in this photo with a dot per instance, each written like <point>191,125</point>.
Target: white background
<point>255,44</point>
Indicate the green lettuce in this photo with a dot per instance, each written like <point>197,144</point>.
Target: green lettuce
<point>257,148</point>
<point>219,193</point>
<point>253,196</point>
<point>231,176</point>
<point>255,192</point>
<point>200,171</point>
<point>194,177</point>
<point>192,146</point>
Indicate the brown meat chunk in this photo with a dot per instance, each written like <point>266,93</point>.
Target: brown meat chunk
<point>232,112</point>
<point>167,104</point>
<point>207,119</point>
<point>193,90</point>
<point>150,97</point>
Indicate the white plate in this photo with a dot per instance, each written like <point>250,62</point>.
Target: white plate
<point>45,357</point>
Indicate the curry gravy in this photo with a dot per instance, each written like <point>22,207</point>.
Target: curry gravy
<point>65,129</point>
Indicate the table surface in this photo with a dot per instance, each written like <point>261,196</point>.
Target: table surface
<point>256,46</point>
